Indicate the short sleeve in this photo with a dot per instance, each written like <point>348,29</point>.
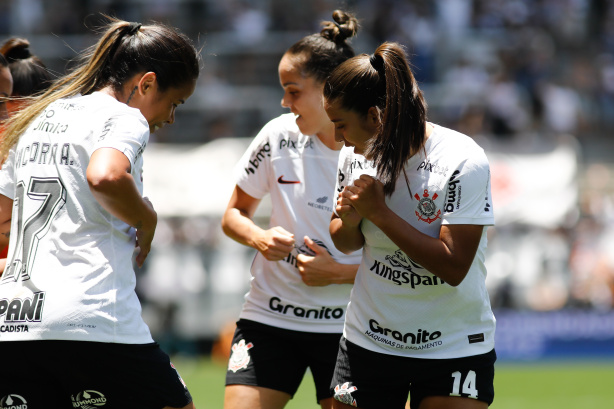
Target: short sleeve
<point>252,171</point>
<point>128,134</point>
<point>7,176</point>
<point>468,199</point>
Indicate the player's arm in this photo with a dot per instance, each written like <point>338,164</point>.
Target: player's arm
<point>6,212</point>
<point>448,256</point>
<point>344,226</point>
<point>274,243</point>
<point>112,185</point>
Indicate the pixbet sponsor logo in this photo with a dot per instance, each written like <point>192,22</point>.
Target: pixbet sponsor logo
<point>453,198</point>
<point>295,144</point>
<point>13,401</point>
<point>427,166</point>
<point>258,157</point>
<point>23,309</point>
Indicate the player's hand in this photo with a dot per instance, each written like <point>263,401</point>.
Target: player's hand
<point>316,270</point>
<point>144,237</point>
<point>275,244</point>
<point>346,211</point>
<point>366,195</point>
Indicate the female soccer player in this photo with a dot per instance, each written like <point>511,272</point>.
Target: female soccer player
<point>419,319</point>
<point>70,321</point>
<point>293,314</point>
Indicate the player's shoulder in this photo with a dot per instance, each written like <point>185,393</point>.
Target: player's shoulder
<point>456,144</point>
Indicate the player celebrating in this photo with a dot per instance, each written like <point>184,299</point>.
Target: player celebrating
<point>419,319</point>
<point>293,314</point>
<point>72,188</point>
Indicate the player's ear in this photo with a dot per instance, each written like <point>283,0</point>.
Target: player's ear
<point>147,82</point>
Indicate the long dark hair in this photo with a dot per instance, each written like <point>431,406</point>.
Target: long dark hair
<point>123,50</point>
<point>385,81</point>
<point>323,51</point>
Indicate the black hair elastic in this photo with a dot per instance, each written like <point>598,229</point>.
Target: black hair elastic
<point>134,28</point>
<point>377,62</point>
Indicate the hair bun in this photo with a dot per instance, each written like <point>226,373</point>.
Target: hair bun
<point>16,49</point>
<point>343,26</point>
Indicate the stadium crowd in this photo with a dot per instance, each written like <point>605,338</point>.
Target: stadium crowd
<point>513,74</point>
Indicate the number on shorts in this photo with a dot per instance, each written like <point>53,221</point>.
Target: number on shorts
<point>469,386</point>
<point>53,196</point>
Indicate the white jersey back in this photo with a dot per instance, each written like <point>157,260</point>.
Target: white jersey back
<point>69,274</point>
<point>299,172</point>
<point>401,308</point>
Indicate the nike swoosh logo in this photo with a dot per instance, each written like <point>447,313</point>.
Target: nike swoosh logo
<point>287,182</point>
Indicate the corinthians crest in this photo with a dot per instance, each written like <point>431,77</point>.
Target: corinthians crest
<point>240,356</point>
<point>427,211</point>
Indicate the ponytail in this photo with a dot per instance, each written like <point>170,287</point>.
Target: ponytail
<point>385,81</point>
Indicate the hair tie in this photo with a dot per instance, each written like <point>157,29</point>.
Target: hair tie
<point>134,28</point>
<point>337,24</point>
<point>377,62</point>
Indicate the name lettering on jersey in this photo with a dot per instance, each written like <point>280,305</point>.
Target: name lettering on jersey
<point>322,313</point>
<point>432,167</point>
<point>422,339</point>
<point>454,193</point>
<point>44,154</point>
<point>258,157</point>
<point>23,309</point>
<point>295,144</point>
<point>427,210</point>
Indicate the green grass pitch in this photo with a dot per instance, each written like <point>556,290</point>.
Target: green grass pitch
<point>551,385</point>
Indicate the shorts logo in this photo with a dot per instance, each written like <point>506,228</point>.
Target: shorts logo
<point>13,401</point>
<point>343,394</point>
<point>427,208</point>
<point>240,356</point>
<point>179,376</point>
<point>88,399</point>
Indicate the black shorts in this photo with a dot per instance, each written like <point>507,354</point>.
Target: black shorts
<point>78,374</point>
<point>277,358</point>
<point>371,380</point>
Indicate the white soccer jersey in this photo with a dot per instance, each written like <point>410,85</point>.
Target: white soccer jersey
<point>397,307</point>
<point>69,274</point>
<point>299,172</point>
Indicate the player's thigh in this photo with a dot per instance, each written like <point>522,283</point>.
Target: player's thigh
<point>321,350</point>
<point>254,397</point>
<point>369,380</point>
<point>466,382</point>
<point>266,357</point>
